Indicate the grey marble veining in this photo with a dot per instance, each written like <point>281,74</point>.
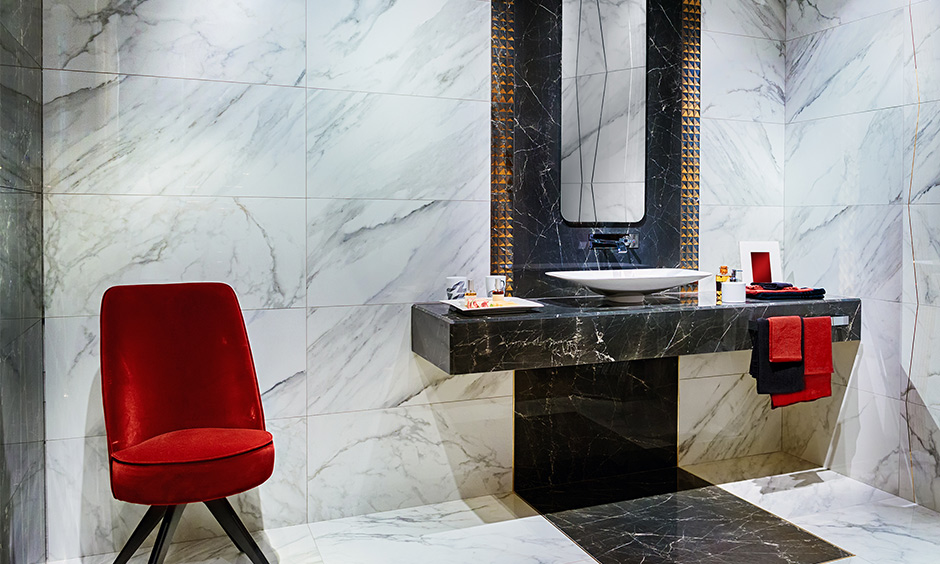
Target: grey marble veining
<point>745,17</point>
<point>809,16</point>
<point>742,78</point>
<point>22,490</point>
<point>573,331</point>
<point>21,381</point>
<point>851,159</point>
<point>398,147</point>
<point>20,255</point>
<point>742,164</point>
<point>22,20</point>
<point>243,41</point>
<point>386,47</point>
<point>922,159</point>
<point>109,134</point>
<point>849,68</point>
<point>21,119</point>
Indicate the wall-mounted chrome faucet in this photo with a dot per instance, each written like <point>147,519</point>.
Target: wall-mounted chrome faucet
<point>620,242</point>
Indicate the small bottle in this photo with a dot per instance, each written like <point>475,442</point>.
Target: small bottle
<point>722,277</point>
<point>471,294</point>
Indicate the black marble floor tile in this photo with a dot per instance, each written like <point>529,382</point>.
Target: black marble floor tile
<point>698,526</point>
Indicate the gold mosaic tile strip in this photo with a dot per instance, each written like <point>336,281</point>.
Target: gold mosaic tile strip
<point>691,126</point>
<point>501,139</point>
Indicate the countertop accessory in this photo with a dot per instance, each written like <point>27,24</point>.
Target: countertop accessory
<point>456,287</point>
<point>733,293</point>
<point>514,305</point>
<point>496,286</point>
<point>760,261</point>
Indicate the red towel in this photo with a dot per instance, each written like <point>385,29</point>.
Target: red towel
<point>786,339</point>
<point>817,363</point>
<point>817,345</point>
<point>817,386</point>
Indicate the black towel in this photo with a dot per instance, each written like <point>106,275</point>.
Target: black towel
<point>773,377</point>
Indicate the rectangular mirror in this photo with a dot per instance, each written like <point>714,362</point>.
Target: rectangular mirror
<point>603,111</point>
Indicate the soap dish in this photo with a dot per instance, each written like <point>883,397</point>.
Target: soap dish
<point>516,305</point>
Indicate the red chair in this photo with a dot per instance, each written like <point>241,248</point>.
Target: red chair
<point>181,406</point>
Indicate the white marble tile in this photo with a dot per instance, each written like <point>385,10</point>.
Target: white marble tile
<point>245,41</point>
<point>924,439</point>
<point>278,346</point>
<point>714,364</point>
<point>809,16</point>
<point>742,78</point>
<point>603,137</point>
<point>73,372</point>
<point>844,160</point>
<point>360,358</point>
<point>921,154</point>
<point>865,443</point>
<point>892,530</point>
<point>602,35</point>
<point>721,228</point>
<point>810,429</point>
<point>363,462</point>
<point>925,231</point>
<point>878,364</point>
<point>109,134</point>
<point>23,502</point>
<point>742,163</point>
<point>748,467</point>
<point>93,242</point>
<point>456,532</point>
<point>922,35</point>
<point>763,18</point>
<point>427,47</point>
<point>923,370</point>
<point>288,545</point>
<point>21,381</point>
<point>805,493</point>
<point>383,252</point>
<point>848,250</point>
<point>399,147</point>
<point>723,417</point>
<point>850,68</point>
<point>79,506</point>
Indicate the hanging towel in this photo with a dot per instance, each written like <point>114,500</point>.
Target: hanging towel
<point>773,377</point>
<point>786,339</point>
<point>781,292</point>
<point>817,363</point>
<point>817,345</point>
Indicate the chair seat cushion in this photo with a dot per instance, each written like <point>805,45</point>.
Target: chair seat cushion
<point>192,465</point>
<point>194,445</point>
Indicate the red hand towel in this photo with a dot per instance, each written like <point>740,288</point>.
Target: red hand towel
<point>817,345</point>
<point>817,386</point>
<point>786,339</point>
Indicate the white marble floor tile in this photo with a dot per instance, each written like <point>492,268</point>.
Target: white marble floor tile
<point>748,467</point>
<point>893,530</point>
<point>288,545</point>
<point>804,493</point>
<point>471,531</point>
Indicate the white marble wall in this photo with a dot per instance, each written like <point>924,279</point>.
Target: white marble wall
<point>330,162</point>
<point>742,128</point>
<point>852,115</point>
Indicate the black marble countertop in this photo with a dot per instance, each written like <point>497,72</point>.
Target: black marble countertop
<point>587,330</point>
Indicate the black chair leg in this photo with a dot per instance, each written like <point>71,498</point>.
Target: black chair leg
<point>150,520</point>
<point>170,520</point>
<point>225,514</point>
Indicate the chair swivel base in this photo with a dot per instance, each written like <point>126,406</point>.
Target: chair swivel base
<point>170,515</point>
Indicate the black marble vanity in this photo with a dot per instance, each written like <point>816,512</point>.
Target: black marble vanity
<point>596,385</point>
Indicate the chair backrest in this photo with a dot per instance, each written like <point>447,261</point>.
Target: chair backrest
<point>175,356</point>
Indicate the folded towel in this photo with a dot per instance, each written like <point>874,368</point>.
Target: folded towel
<point>772,377</point>
<point>817,386</point>
<point>786,339</point>
<point>817,345</point>
<point>757,292</point>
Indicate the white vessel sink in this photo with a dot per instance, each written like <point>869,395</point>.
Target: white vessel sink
<point>629,286</point>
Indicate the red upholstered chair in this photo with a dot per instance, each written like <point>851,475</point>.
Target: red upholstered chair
<point>181,406</point>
